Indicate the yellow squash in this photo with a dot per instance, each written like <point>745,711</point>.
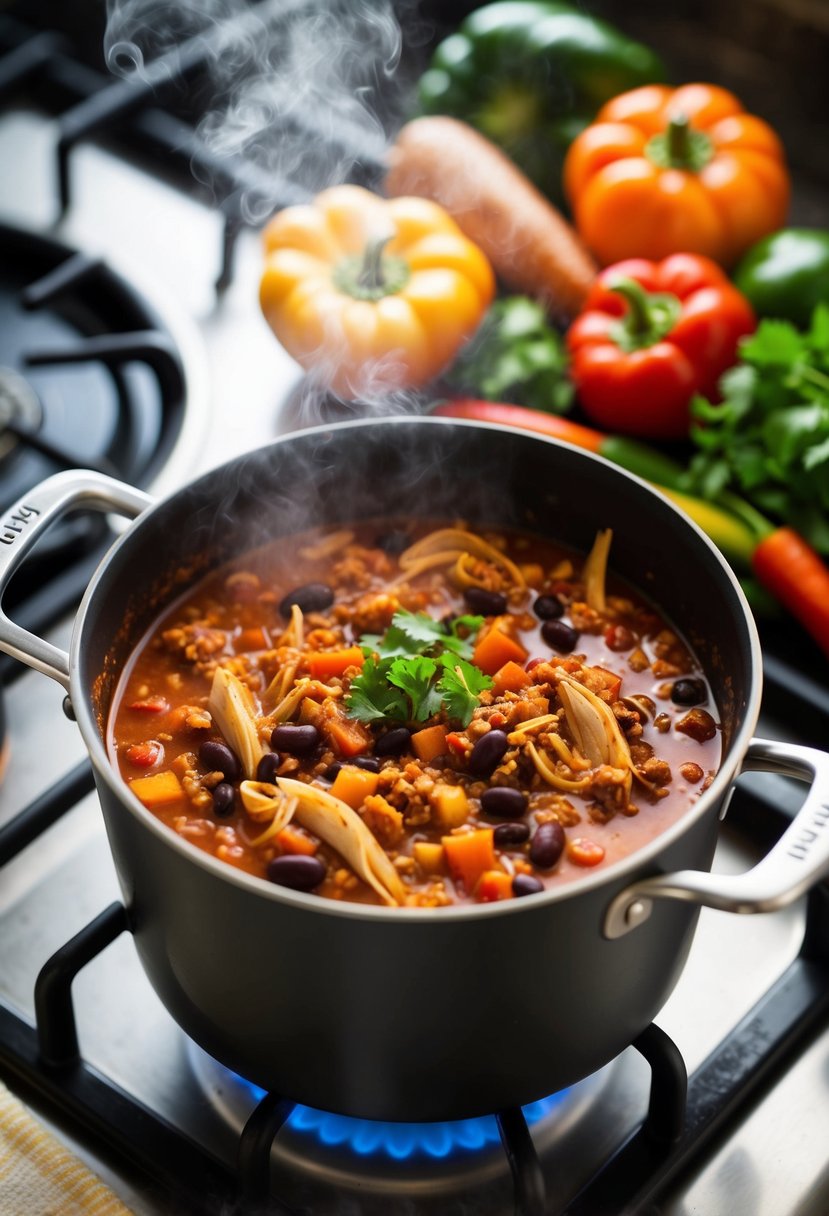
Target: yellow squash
<point>372,295</point>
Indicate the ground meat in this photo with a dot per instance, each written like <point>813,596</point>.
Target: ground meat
<point>383,820</point>
<point>698,724</point>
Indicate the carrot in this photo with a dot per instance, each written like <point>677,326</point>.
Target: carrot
<point>353,785</point>
<point>511,678</point>
<point>325,664</point>
<point>791,569</point>
<point>161,789</point>
<point>531,246</point>
<point>495,649</point>
<point>250,639</point>
<point>429,743</point>
<point>294,840</point>
<point>492,886</point>
<point>469,855</point>
<point>347,735</point>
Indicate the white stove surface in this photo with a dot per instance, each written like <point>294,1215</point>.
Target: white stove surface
<point>774,1164</point>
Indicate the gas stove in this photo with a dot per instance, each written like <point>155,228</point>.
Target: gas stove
<point>721,1106</point>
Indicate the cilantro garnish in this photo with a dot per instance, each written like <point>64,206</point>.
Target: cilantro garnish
<point>769,436</point>
<point>416,668</point>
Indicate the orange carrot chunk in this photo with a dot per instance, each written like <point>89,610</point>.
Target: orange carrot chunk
<point>511,678</point>
<point>353,785</point>
<point>161,789</point>
<point>293,840</point>
<point>492,886</point>
<point>469,855</point>
<point>326,664</point>
<point>495,649</point>
<point>429,743</point>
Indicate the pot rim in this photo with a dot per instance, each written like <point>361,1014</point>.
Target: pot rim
<point>617,874</point>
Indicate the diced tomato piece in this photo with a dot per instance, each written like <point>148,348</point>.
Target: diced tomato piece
<point>151,705</point>
<point>584,852</point>
<point>497,720</point>
<point>492,886</point>
<point>145,755</point>
<point>457,743</point>
<point>619,637</point>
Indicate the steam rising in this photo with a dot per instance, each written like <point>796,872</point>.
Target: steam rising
<point>305,91</point>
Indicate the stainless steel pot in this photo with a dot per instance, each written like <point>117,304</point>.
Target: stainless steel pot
<point>406,1013</point>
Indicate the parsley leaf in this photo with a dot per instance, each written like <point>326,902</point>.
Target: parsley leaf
<point>418,667</point>
<point>516,356</point>
<point>372,698</point>
<point>768,438</point>
<point>414,675</point>
<point>460,687</point>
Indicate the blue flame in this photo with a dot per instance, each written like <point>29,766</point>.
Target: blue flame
<point>402,1141</point>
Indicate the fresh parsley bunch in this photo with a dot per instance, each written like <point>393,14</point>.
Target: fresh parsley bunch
<point>769,437</point>
<point>516,356</point>
<point>416,668</point>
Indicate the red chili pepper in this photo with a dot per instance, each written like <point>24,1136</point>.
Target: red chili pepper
<point>793,571</point>
<point>651,335</point>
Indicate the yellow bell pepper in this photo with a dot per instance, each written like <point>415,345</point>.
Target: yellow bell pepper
<point>371,294</point>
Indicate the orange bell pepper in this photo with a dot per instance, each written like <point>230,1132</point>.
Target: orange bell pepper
<point>372,293</point>
<point>676,170</point>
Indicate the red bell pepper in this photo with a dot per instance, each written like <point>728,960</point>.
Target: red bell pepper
<point>651,335</point>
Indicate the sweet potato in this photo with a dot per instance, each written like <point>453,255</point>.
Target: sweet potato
<point>469,855</point>
<point>353,785</point>
<point>531,246</point>
<point>495,649</point>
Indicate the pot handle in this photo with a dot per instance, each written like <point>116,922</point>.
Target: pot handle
<point>21,526</point>
<point>798,860</point>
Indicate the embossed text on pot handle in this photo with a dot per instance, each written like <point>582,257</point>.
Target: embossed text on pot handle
<point>23,523</point>
<point>798,860</point>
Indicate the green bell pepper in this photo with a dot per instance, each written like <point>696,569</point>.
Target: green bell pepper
<point>787,274</point>
<point>530,75</point>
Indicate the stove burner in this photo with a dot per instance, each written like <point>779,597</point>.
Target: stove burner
<point>91,376</point>
<point>20,409</point>
<point>398,1158</point>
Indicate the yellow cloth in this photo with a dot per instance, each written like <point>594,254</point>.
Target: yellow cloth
<point>40,1177</point>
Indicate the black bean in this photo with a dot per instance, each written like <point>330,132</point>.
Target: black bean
<point>393,742</point>
<point>487,752</point>
<point>298,740</point>
<point>503,802</point>
<point>297,871</point>
<point>547,845</point>
<point>690,690</point>
<point>224,797</point>
<point>313,597</point>
<point>548,607</point>
<point>394,543</point>
<point>559,636</point>
<point>508,834</point>
<point>366,762</point>
<point>526,884</point>
<point>485,603</point>
<point>218,758</point>
<point>267,766</point>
